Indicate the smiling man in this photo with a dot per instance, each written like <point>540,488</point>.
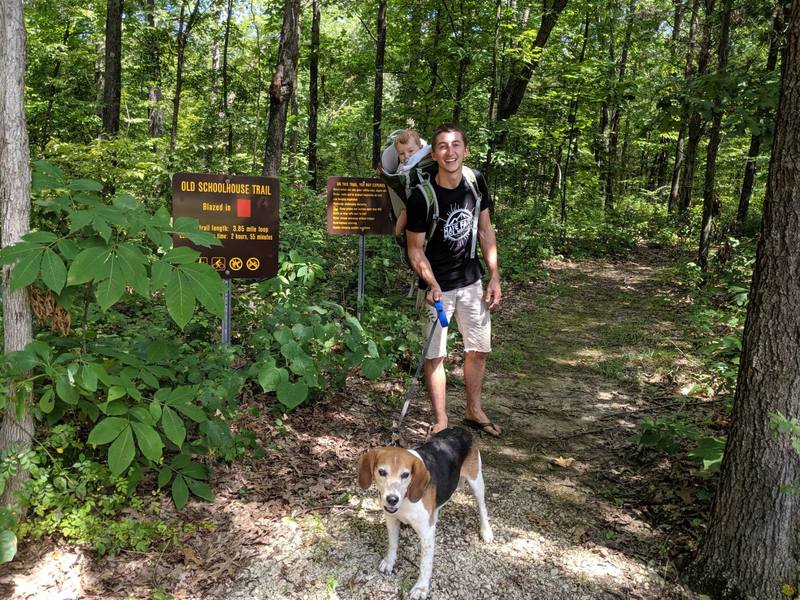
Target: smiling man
<point>450,271</point>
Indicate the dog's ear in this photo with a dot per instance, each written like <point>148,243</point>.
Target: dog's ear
<point>420,478</point>
<point>366,465</point>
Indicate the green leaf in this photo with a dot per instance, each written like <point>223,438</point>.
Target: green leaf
<point>88,378</point>
<point>291,350</point>
<point>372,368</point>
<point>84,267</point>
<point>180,493</point>
<point>26,270</point>
<point>107,430</point>
<point>132,263</point>
<point>194,470</point>
<point>200,489</point>
<point>160,273</point>
<point>292,395</point>
<point>283,335</point>
<point>8,545</point>
<point>116,391</point>
<point>173,426</point>
<point>180,299</point>
<point>164,475</point>
<point>207,286</point>
<point>195,413</point>
<point>54,273</point>
<point>66,391</point>
<point>80,219</point>
<point>85,185</point>
<point>47,401</point>
<point>181,255</point>
<point>121,452</point>
<point>149,441</point>
<point>9,254</point>
<point>271,377</point>
<point>110,290</point>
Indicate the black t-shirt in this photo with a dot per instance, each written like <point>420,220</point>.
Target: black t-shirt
<point>449,249</point>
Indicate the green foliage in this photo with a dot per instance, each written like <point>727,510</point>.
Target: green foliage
<point>8,536</point>
<point>790,427</point>
<point>672,434</point>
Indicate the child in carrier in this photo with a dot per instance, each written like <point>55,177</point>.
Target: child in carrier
<point>406,152</point>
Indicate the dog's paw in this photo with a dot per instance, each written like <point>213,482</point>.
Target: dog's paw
<point>487,535</point>
<point>386,566</point>
<point>418,592</point>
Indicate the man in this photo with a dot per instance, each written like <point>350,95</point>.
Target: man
<point>452,275</point>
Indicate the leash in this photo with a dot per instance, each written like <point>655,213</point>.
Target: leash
<point>442,319</point>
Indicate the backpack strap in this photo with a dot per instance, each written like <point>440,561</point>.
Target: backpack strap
<point>472,183</point>
<point>426,188</point>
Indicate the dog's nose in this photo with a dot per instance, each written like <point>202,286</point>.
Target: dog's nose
<point>392,500</point>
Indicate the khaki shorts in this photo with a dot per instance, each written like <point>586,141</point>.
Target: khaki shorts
<point>472,315</point>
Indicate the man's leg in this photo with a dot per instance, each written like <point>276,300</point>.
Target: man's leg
<point>436,382</point>
<point>474,371</point>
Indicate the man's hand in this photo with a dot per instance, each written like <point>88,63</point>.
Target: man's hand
<point>434,293</point>
<point>492,294</point>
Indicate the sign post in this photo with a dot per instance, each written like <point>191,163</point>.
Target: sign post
<point>243,213</point>
<point>359,206</point>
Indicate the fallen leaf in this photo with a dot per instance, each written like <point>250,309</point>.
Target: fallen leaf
<point>189,555</point>
<point>563,462</point>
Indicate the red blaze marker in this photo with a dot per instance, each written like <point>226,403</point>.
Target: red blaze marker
<point>243,207</point>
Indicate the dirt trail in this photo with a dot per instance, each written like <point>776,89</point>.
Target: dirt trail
<point>578,359</point>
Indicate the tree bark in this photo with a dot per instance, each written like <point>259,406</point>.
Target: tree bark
<point>377,98</point>
<point>155,116</point>
<point>15,204</point>
<point>763,117</point>
<point>184,30</point>
<point>710,204</point>
<point>751,547</point>
<point>313,98</point>
<point>283,86</point>
<point>112,80</point>
<point>696,124</point>
<point>225,81</point>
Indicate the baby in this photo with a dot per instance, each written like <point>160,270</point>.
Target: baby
<point>408,145</point>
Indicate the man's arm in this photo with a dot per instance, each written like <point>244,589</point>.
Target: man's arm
<point>419,262</point>
<point>492,295</point>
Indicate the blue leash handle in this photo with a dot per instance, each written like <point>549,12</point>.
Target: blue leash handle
<point>440,313</point>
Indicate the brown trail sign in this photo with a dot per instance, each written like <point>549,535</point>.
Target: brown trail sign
<point>241,211</point>
<point>358,206</point>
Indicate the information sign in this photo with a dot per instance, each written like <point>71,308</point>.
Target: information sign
<point>241,211</point>
<point>358,206</point>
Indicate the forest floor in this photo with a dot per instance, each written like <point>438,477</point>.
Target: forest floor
<point>579,510</point>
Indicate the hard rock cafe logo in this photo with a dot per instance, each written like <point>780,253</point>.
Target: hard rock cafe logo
<point>458,225</point>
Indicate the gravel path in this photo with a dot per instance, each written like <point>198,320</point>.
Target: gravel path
<point>565,388</point>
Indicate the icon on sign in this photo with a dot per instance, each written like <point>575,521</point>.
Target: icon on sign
<point>203,260</point>
<point>236,263</point>
<point>253,263</point>
<point>218,262</point>
<point>243,207</point>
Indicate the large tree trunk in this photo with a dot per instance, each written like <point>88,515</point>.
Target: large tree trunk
<point>762,117</point>
<point>313,98</point>
<point>696,124</point>
<point>15,203</point>
<point>377,98</point>
<point>283,86</point>
<point>710,204</point>
<point>112,80</point>
<point>751,547</point>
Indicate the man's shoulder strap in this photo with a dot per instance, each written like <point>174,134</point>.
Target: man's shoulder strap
<point>472,183</point>
<point>426,189</point>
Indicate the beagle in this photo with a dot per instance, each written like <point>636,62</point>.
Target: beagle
<point>414,484</point>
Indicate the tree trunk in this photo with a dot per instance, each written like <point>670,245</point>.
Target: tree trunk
<point>680,146</point>
<point>283,86</point>
<point>155,117</point>
<point>15,203</point>
<point>112,80</point>
<point>225,81</point>
<point>44,132</point>
<point>487,166</point>
<point>762,117</point>
<point>514,89</point>
<point>751,547</point>
<point>710,204</point>
<point>313,99</point>
<point>184,29</point>
<point>377,98</point>
<point>696,124</point>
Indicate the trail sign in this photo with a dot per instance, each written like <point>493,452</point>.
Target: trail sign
<point>358,206</point>
<point>241,211</point>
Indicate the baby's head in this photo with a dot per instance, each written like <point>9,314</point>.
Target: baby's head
<point>407,143</point>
